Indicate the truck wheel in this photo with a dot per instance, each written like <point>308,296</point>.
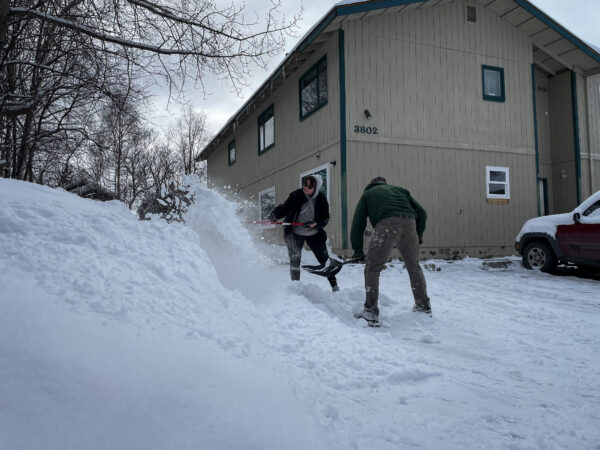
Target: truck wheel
<point>539,256</point>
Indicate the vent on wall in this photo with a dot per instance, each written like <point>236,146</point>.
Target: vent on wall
<point>471,14</point>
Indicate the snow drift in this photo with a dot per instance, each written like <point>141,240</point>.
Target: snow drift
<point>120,334</point>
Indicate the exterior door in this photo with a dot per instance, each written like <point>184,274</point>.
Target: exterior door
<point>582,240</point>
<point>569,240</point>
<point>590,233</point>
<point>590,241</point>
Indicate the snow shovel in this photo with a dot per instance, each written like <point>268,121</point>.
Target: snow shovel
<point>331,268</point>
<point>272,222</point>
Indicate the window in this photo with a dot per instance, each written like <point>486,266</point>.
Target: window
<point>593,210</point>
<point>266,130</point>
<point>497,182</point>
<point>471,15</point>
<point>323,171</point>
<point>493,83</point>
<point>266,203</point>
<point>313,88</point>
<point>232,152</point>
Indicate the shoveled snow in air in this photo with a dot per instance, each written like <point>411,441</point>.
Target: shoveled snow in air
<point>121,334</point>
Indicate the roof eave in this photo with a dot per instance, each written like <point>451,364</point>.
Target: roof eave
<point>583,46</point>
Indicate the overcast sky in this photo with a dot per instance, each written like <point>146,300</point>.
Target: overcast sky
<point>581,17</point>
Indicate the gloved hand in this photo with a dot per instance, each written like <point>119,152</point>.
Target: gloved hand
<point>272,217</point>
<point>420,241</point>
<point>358,256</point>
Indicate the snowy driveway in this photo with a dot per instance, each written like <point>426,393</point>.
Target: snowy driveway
<point>510,359</point>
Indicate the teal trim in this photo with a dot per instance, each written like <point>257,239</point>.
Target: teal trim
<point>343,182</point>
<point>317,31</point>
<point>266,115</point>
<point>559,29</point>
<point>535,134</point>
<point>493,98</point>
<point>576,135</point>
<point>370,6</point>
<point>544,182</point>
<point>318,68</point>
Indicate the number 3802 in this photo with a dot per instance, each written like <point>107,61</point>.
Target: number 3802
<point>361,129</point>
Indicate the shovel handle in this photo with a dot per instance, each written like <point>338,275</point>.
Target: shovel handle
<point>271,222</point>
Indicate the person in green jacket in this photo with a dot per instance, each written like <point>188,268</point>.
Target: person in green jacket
<point>399,221</point>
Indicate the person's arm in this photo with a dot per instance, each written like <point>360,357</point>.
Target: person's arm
<point>359,223</point>
<point>421,218</point>
<point>323,216</point>
<point>283,209</point>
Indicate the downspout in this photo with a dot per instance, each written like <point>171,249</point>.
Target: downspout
<point>576,135</point>
<point>537,152</point>
<point>343,181</point>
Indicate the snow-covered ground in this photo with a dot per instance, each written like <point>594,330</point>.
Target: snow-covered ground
<point>120,334</point>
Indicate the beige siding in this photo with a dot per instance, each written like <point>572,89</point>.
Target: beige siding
<point>452,191</point>
<point>295,140</point>
<point>590,161</point>
<point>419,74</point>
<point>418,70</point>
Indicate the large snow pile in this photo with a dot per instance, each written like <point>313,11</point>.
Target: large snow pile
<point>120,334</point>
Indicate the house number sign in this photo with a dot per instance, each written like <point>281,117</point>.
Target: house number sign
<point>361,129</point>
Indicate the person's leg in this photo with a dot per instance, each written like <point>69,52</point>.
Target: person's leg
<point>380,248</point>
<point>319,248</point>
<point>294,245</point>
<point>409,249</point>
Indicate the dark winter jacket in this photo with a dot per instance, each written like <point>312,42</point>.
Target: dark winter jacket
<point>380,201</point>
<point>291,207</point>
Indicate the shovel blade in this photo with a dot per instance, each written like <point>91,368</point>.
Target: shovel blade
<point>329,269</point>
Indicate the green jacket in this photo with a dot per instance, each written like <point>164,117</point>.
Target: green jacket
<point>380,201</point>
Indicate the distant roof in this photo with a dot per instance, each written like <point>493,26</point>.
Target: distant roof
<point>555,48</point>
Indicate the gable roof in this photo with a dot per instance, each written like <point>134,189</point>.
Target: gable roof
<point>555,48</point>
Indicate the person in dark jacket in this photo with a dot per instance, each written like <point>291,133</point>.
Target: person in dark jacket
<point>309,206</point>
<point>399,221</point>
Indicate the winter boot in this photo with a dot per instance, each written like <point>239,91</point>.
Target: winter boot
<point>369,316</point>
<point>295,273</point>
<point>333,283</point>
<point>424,307</point>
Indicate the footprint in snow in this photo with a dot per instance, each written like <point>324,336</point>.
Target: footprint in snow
<point>410,376</point>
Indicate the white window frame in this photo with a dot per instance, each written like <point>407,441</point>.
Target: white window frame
<point>260,196</point>
<point>506,170</point>
<point>314,171</point>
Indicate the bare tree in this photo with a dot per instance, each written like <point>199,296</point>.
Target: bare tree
<point>188,136</point>
<point>174,39</point>
<point>60,60</point>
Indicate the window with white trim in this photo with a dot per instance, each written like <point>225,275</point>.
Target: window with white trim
<point>266,203</point>
<point>323,171</point>
<point>266,130</point>
<point>497,182</point>
<point>232,152</point>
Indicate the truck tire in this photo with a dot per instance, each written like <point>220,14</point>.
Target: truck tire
<point>538,255</point>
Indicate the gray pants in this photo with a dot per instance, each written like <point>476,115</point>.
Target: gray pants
<point>400,232</point>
